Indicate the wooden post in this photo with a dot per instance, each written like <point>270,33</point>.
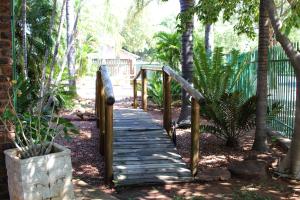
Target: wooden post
<point>144,90</point>
<point>108,144</point>
<point>167,103</point>
<point>195,136</point>
<point>134,93</point>
<point>101,108</point>
<point>97,100</point>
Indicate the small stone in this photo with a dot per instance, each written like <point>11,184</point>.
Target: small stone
<point>249,169</point>
<point>215,174</point>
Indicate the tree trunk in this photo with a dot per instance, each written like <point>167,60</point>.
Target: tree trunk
<point>260,141</point>
<point>70,18</point>
<point>291,163</point>
<point>209,39</point>
<point>186,60</point>
<point>24,38</point>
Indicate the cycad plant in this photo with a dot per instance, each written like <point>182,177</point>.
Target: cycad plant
<point>231,117</point>
<point>216,75</point>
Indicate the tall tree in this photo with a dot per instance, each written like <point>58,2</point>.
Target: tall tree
<point>186,57</point>
<point>291,163</point>
<point>70,18</point>
<point>260,142</point>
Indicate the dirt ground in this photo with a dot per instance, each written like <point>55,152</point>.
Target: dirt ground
<point>88,163</point>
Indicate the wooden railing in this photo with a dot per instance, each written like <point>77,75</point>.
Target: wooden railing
<point>197,99</point>
<point>104,110</point>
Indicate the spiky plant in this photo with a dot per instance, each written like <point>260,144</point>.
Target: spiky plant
<point>217,75</point>
<point>232,116</point>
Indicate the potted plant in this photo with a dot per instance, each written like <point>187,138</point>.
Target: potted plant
<point>37,168</point>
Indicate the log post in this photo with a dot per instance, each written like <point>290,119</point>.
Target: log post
<point>167,103</point>
<point>195,132</point>
<point>101,108</point>
<point>144,90</point>
<point>134,93</point>
<point>108,144</point>
<point>97,99</point>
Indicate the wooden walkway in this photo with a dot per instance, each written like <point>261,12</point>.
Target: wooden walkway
<point>143,152</point>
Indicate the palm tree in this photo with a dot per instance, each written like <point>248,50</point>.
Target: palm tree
<point>70,18</point>
<point>260,142</point>
<point>187,57</point>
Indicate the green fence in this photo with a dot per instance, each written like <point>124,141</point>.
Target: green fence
<point>281,86</point>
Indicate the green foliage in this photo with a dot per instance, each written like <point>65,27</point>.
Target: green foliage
<point>84,48</point>
<point>213,75</point>
<point>247,12</point>
<point>155,89</point>
<point>38,37</point>
<point>231,116</point>
<point>167,49</point>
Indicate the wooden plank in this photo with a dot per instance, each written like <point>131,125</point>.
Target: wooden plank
<point>152,170</point>
<point>141,142</point>
<point>143,146</point>
<point>152,150</point>
<point>152,157</point>
<point>151,181</point>
<point>144,162</point>
<point>148,132</point>
<point>141,139</point>
<point>145,153</point>
<point>149,166</point>
<point>161,176</point>
<point>138,128</point>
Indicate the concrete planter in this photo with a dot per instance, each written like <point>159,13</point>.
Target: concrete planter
<point>42,177</point>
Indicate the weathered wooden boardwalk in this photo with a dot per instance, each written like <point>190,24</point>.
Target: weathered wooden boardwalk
<point>143,152</point>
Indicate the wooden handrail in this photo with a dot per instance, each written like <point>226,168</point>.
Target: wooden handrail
<point>108,89</point>
<point>147,68</point>
<point>184,84</point>
<point>105,100</point>
<point>197,99</point>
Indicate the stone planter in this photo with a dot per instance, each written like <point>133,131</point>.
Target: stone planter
<point>41,177</point>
